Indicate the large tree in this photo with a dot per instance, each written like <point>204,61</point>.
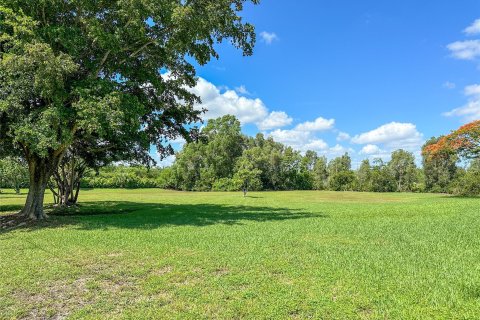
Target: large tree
<point>73,69</point>
<point>465,141</point>
<point>403,168</point>
<point>439,167</point>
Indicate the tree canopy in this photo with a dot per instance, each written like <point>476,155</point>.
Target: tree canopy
<point>465,141</point>
<point>107,72</point>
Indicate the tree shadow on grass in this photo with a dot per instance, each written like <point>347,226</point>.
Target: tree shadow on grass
<point>4,208</point>
<point>132,215</point>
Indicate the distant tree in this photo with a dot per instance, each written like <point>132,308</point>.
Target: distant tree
<point>467,183</point>
<point>364,176</point>
<point>13,173</point>
<point>439,167</point>
<point>246,176</point>
<point>291,170</point>
<point>213,157</point>
<point>340,174</point>
<point>465,141</point>
<point>188,165</point>
<point>306,176</point>
<point>382,177</point>
<point>320,174</point>
<point>225,145</point>
<point>402,165</point>
<point>73,69</point>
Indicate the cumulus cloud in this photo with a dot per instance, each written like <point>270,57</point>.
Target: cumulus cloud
<point>268,37</point>
<point>473,90</point>
<point>465,50</point>
<point>166,162</point>
<point>471,110</point>
<point>229,102</point>
<point>315,145</point>
<point>338,150</point>
<point>299,140</point>
<point>474,28</point>
<point>390,137</point>
<point>320,124</point>
<point>292,138</point>
<point>303,138</point>
<point>220,101</point>
<point>276,119</point>
<point>370,149</point>
<point>468,50</point>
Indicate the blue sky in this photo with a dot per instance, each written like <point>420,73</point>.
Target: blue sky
<point>365,77</point>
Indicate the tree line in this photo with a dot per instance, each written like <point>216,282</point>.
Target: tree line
<point>224,159</point>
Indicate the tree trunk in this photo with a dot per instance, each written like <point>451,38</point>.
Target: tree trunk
<point>40,170</point>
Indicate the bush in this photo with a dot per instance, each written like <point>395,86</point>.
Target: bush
<point>124,177</point>
<point>224,184</point>
<point>467,185</point>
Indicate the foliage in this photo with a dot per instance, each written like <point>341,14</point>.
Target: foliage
<point>465,141</point>
<point>126,177</point>
<point>402,165</point>
<point>246,177</point>
<point>340,174</point>
<point>105,71</point>
<point>382,178</point>
<point>364,176</point>
<point>468,182</point>
<point>440,168</point>
<point>13,173</point>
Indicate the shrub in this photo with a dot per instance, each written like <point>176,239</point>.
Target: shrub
<point>467,185</point>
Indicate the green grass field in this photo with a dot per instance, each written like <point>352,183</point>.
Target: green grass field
<point>139,254</point>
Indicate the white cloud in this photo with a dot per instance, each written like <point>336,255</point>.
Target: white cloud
<point>229,102</point>
<point>449,85</point>
<point>393,136</point>
<point>387,133</point>
<point>315,145</point>
<point>305,140</point>
<point>471,110</point>
<point>242,90</point>
<point>320,124</point>
<point>474,28</point>
<point>166,162</point>
<point>299,140</point>
<point>343,136</point>
<point>302,136</point>
<point>465,50</point>
<point>338,150</point>
<point>292,138</point>
<point>473,90</point>
<point>276,119</point>
<point>268,37</point>
<point>370,149</point>
<point>220,101</point>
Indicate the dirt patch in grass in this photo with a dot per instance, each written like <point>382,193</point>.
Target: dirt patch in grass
<point>14,221</point>
<point>56,301</point>
<point>61,298</point>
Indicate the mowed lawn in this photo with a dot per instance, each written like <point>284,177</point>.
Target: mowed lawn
<point>140,254</point>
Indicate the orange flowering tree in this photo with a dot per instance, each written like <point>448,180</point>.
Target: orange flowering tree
<point>464,141</point>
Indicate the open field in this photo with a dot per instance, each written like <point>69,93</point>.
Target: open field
<point>141,254</point>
